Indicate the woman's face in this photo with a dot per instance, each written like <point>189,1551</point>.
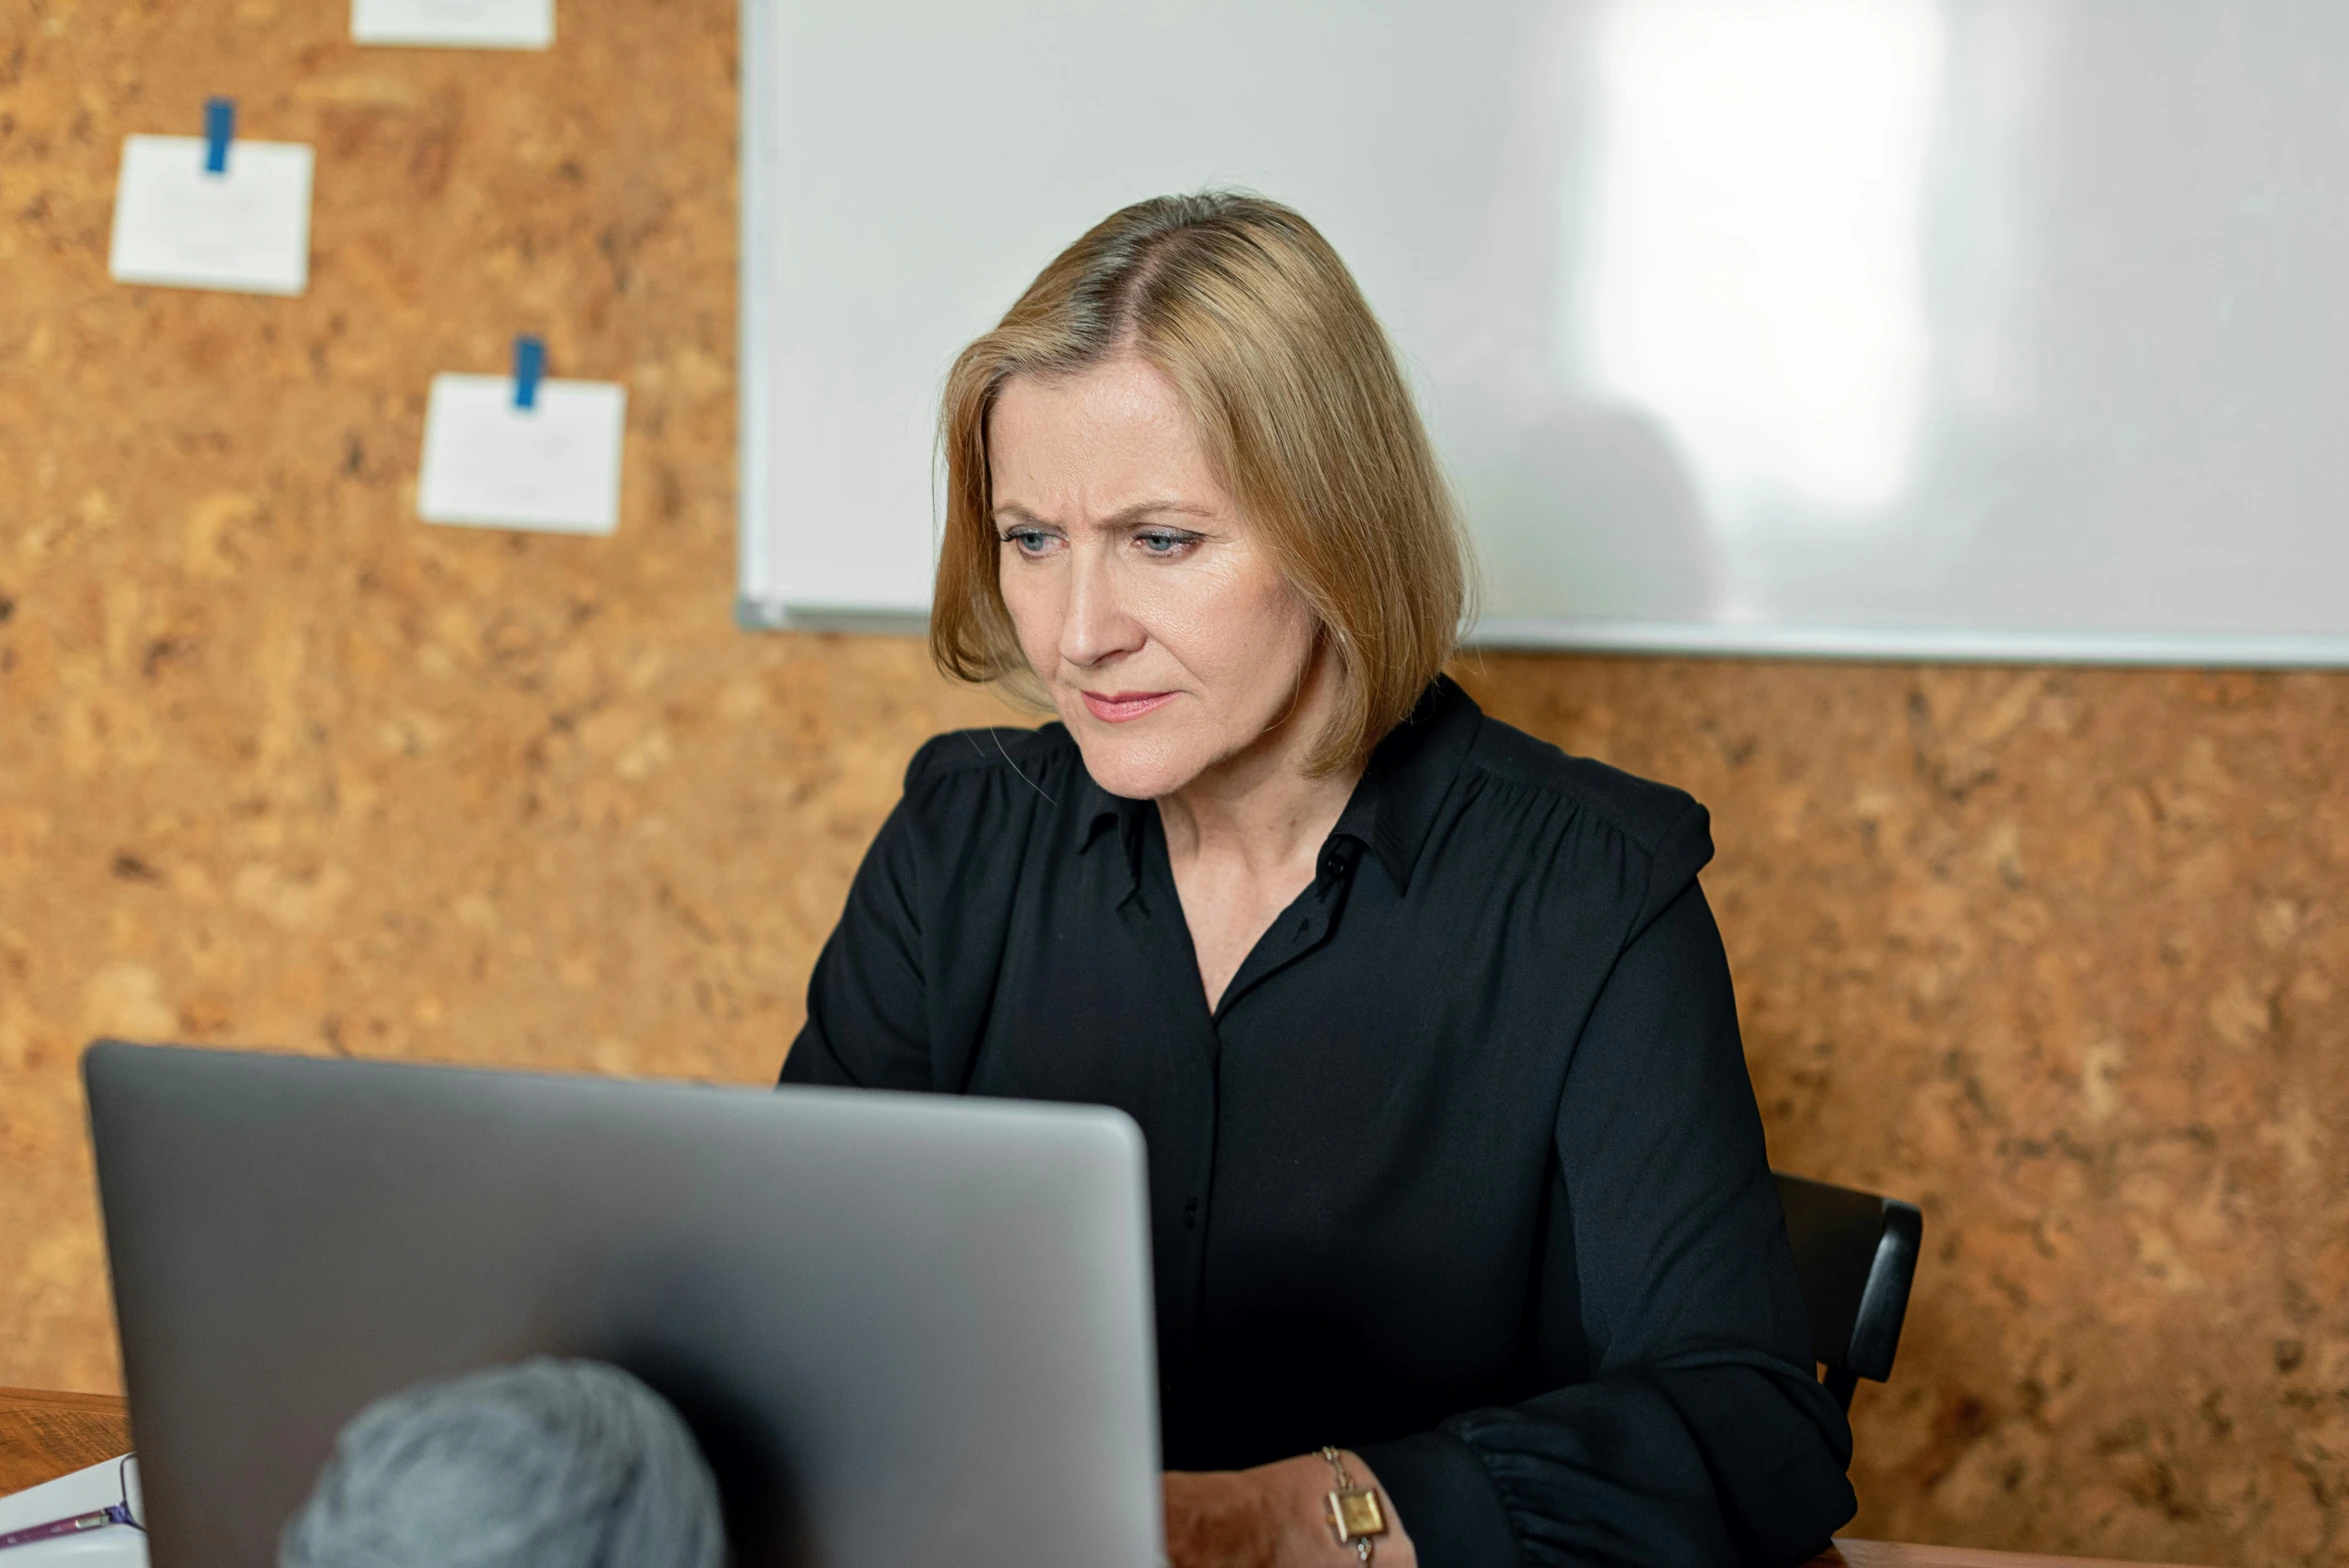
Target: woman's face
<point>1170,640</point>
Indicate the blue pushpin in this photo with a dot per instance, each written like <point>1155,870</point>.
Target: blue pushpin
<point>529,365</point>
<point>220,123</point>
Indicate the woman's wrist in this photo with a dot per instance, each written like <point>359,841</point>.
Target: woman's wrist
<point>1274,1516</point>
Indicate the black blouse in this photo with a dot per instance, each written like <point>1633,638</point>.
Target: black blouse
<point>1465,1171</point>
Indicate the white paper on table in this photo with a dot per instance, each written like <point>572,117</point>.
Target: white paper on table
<point>246,230</point>
<point>84,1491</point>
<point>492,465</point>
<point>455,24</point>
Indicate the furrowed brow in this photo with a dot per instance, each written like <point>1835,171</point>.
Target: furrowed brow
<point>1140,511</point>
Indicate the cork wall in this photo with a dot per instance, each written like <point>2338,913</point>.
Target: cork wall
<point>2063,956</point>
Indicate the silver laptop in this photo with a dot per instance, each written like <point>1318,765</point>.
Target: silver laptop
<point>907,1329</point>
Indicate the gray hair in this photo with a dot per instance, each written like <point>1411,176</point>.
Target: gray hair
<point>544,1464</point>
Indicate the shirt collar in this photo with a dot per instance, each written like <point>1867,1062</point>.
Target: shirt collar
<point>1392,809</point>
<point>1098,811</point>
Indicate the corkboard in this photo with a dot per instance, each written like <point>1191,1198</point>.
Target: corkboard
<point>2062,956</point>
<point>281,765</point>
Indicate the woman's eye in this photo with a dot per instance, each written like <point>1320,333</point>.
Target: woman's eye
<point>1158,542</point>
<point>1029,541</point>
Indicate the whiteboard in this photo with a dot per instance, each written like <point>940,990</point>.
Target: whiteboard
<point>1940,328</point>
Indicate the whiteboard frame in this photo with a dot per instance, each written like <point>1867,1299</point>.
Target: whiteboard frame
<point>761,605</point>
<point>754,608</point>
<point>758,605</point>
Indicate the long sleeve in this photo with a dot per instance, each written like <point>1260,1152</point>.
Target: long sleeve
<point>866,1025</point>
<point>1688,1427</point>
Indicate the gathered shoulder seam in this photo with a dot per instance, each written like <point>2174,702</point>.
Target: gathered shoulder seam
<point>1647,813</point>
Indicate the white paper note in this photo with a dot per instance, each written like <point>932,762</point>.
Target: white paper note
<point>246,230</point>
<point>493,465</point>
<point>455,24</point>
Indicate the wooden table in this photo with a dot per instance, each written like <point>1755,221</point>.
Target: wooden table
<point>43,1436</point>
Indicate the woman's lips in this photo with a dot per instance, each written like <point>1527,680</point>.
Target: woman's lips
<point>1118,707</point>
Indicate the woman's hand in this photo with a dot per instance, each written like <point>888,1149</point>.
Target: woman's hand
<point>1274,1516</point>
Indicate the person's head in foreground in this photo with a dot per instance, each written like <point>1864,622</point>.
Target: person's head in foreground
<point>544,1464</point>
<point>1191,505</point>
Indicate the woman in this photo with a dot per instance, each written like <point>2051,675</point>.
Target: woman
<point>1459,1199</point>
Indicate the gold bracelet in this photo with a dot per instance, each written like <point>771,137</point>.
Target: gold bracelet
<point>1354,1513</point>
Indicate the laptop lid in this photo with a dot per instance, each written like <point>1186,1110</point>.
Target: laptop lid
<point>907,1329</point>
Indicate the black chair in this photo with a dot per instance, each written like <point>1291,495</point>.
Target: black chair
<point>1855,1255</point>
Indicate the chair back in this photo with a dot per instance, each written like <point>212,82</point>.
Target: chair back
<point>1855,1254</point>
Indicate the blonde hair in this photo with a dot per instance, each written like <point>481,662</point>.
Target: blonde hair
<point>1297,397</point>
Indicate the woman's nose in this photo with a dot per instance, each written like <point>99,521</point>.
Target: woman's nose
<point>1097,625</point>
